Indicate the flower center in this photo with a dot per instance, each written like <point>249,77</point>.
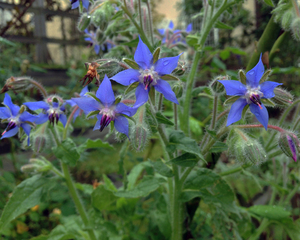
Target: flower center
<point>148,77</point>
<point>108,115</point>
<point>254,96</point>
<point>53,115</point>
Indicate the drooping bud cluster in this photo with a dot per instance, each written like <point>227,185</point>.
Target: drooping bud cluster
<point>37,165</point>
<point>178,88</point>
<point>282,97</point>
<point>84,22</point>
<point>289,144</point>
<point>17,84</point>
<point>216,87</point>
<point>244,148</point>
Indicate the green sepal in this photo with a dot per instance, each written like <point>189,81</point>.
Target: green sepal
<point>231,99</point>
<point>118,99</point>
<point>268,102</point>
<point>169,77</point>
<point>265,76</point>
<point>131,87</point>
<point>242,76</point>
<point>30,123</point>
<point>245,110</point>
<point>93,96</point>
<point>22,109</point>
<point>4,120</point>
<point>130,118</point>
<point>131,63</point>
<point>92,113</point>
<point>80,7</point>
<point>156,54</point>
<point>112,125</point>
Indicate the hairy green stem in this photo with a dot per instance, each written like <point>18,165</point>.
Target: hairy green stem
<point>235,170</point>
<point>175,117</point>
<point>184,123</point>
<point>140,15</point>
<point>150,21</point>
<point>141,32</point>
<point>39,87</point>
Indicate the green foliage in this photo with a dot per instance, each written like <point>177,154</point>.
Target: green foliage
<point>67,152</point>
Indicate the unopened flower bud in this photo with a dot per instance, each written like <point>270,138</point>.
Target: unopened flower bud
<point>99,19</point>
<point>216,87</point>
<point>178,89</point>
<point>139,137</point>
<point>17,84</point>
<point>289,144</point>
<point>109,67</point>
<point>54,100</point>
<point>100,37</point>
<point>295,27</point>
<point>180,69</point>
<point>84,22</point>
<point>282,97</point>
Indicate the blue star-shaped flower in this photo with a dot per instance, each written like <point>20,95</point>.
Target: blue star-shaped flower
<point>175,37</point>
<point>149,75</point>
<point>52,110</point>
<point>75,3</point>
<point>15,118</point>
<point>250,94</point>
<point>106,108</point>
<point>73,103</point>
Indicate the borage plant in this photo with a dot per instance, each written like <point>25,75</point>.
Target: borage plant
<point>187,191</point>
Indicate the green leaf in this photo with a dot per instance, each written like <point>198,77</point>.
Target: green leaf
<point>156,54</point>
<point>26,195</point>
<point>212,133</point>
<point>276,213</point>
<point>162,119</point>
<point>198,90</point>
<point>131,87</point>
<point>67,152</point>
<point>131,63</point>
<point>192,40</point>
<point>218,147</point>
<point>86,188</point>
<point>162,168</point>
<point>177,140</point>
<point>5,41</point>
<point>265,76</point>
<point>135,173</point>
<point>109,184</point>
<point>269,2</point>
<point>209,186</point>
<point>102,198</point>
<point>169,77</point>
<point>292,228</point>
<point>231,100</point>
<point>223,26</point>
<point>225,54</point>
<point>94,144</point>
<point>185,160</point>
<point>143,189</point>
<point>216,62</point>
<point>132,43</point>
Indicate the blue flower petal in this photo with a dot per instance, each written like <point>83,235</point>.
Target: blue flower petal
<point>27,128</point>
<point>88,39</point>
<point>11,132</point>
<point>254,75</point>
<point>189,28</point>
<point>85,4</point>
<point>76,114</point>
<point>4,113</point>
<point>164,87</point>
<point>166,65</point>
<point>96,48</point>
<point>37,105</point>
<point>171,25</point>
<point>127,77</point>
<point>13,108</point>
<point>267,88</point>
<point>41,118</point>
<point>121,125</point>
<point>124,109</point>
<point>97,125</point>
<point>143,56</point>
<point>235,113</point>
<point>87,104</point>
<point>105,92</point>
<point>63,119</point>
<point>27,117</point>
<point>84,91</point>
<point>141,95</point>
<point>71,102</point>
<point>75,4</point>
<point>261,115</point>
<point>233,87</point>
<point>161,31</point>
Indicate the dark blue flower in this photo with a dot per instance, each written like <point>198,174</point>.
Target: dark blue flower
<point>53,110</point>
<point>149,75</point>
<point>250,94</point>
<point>73,103</point>
<point>15,118</point>
<point>106,108</point>
<point>75,3</point>
<point>92,39</point>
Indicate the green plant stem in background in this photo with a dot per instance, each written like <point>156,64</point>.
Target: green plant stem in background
<point>265,42</point>
<point>150,21</point>
<point>40,87</point>
<point>140,15</point>
<point>264,224</point>
<point>235,170</point>
<point>175,117</point>
<point>276,47</point>
<point>140,31</point>
<point>184,118</point>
